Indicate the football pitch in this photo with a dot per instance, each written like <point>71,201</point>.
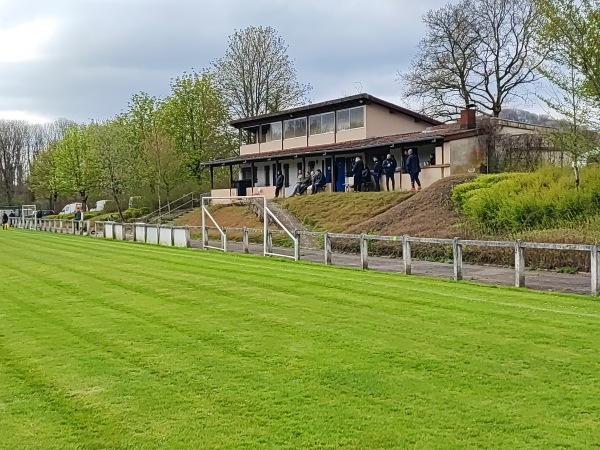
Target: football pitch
<point>107,344</point>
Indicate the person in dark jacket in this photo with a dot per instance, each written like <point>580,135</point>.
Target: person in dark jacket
<point>366,178</point>
<point>318,182</point>
<point>376,173</point>
<point>389,168</point>
<point>4,221</point>
<point>357,172</point>
<point>12,214</point>
<point>279,182</point>
<point>413,167</point>
<point>78,218</point>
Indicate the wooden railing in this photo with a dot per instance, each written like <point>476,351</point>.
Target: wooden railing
<point>180,236</point>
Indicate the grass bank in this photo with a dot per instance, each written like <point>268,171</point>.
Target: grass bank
<point>337,212</point>
<point>107,344</point>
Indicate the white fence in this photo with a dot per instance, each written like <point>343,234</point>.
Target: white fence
<point>180,237</point>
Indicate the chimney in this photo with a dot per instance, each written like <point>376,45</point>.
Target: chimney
<point>468,121</point>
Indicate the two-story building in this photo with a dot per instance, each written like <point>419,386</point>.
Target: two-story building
<point>330,135</point>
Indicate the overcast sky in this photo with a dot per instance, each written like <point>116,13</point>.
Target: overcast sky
<point>83,59</point>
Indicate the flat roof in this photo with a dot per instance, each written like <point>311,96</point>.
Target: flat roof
<point>340,102</point>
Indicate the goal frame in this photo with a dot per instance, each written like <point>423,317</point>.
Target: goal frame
<point>267,214</point>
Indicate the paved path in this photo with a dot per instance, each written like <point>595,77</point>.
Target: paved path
<point>579,283</point>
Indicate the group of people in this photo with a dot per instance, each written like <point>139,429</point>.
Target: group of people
<point>365,178</point>
<point>314,181</point>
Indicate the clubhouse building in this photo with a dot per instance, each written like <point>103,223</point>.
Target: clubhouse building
<point>330,135</point>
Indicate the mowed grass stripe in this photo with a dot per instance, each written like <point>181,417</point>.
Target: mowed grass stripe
<point>448,306</point>
<point>415,284</point>
<point>208,350</point>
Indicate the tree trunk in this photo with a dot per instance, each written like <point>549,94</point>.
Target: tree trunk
<point>119,209</point>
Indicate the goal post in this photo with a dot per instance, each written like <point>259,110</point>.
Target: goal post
<point>260,201</point>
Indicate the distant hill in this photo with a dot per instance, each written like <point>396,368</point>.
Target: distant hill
<point>520,115</point>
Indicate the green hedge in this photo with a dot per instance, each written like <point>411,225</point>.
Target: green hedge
<point>128,214</point>
<point>544,199</point>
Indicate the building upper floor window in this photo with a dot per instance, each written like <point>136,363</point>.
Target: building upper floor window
<point>294,128</point>
<point>322,123</point>
<point>348,119</point>
<point>270,132</point>
<point>248,136</point>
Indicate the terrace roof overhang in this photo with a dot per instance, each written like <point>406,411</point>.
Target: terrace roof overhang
<point>324,150</point>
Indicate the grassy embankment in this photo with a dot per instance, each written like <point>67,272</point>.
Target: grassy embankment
<point>107,344</point>
<point>543,206</point>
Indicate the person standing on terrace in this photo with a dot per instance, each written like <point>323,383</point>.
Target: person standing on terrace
<point>413,167</point>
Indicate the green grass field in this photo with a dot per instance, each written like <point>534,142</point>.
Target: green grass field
<point>106,344</point>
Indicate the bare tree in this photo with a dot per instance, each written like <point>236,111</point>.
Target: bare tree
<point>13,135</point>
<point>256,74</point>
<point>479,51</point>
<point>441,75</point>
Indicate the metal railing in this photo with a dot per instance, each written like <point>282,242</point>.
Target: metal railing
<point>183,203</point>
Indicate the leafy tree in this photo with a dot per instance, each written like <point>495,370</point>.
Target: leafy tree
<point>77,171</point>
<point>44,178</point>
<point>164,164</point>
<point>477,51</point>
<point>116,159</point>
<point>196,117</point>
<point>571,33</point>
<point>256,75</point>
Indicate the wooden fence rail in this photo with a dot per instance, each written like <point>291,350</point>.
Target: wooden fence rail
<point>180,236</point>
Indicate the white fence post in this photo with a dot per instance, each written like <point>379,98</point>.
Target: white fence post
<point>327,248</point>
<point>406,256</point>
<point>595,270</point>
<point>297,245</point>
<point>519,264</point>
<point>269,241</point>
<point>364,252</point>
<point>246,240</point>
<point>457,255</point>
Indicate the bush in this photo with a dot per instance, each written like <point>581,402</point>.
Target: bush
<point>547,198</point>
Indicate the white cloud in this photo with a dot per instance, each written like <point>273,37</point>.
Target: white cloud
<point>24,42</point>
<point>23,115</point>
<point>84,59</point>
